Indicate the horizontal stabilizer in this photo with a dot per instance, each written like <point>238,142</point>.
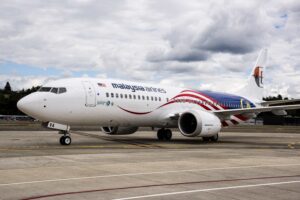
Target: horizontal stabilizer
<point>225,113</point>
<point>276,102</point>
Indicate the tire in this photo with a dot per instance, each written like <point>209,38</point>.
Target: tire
<point>168,134</point>
<point>67,140</point>
<point>214,138</point>
<point>160,134</point>
<point>61,140</point>
<point>205,139</point>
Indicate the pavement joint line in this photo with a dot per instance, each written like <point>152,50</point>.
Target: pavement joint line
<point>207,190</point>
<point>144,173</point>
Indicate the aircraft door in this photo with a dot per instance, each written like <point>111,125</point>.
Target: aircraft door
<point>90,94</point>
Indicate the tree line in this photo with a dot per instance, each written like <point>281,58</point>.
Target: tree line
<point>9,99</point>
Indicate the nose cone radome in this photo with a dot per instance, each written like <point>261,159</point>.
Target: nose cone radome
<point>29,105</point>
<point>20,104</point>
<point>24,104</point>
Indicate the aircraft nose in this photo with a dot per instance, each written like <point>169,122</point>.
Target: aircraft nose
<point>24,104</point>
<point>30,105</point>
<point>20,104</point>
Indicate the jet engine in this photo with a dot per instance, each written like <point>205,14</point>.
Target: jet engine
<point>116,130</point>
<point>199,123</point>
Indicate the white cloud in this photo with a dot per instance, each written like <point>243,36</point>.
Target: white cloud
<point>20,82</point>
<point>206,45</point>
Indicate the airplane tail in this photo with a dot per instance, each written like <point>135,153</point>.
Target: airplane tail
<point>254,87</point>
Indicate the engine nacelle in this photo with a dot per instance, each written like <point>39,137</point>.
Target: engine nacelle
<point>116,130</point>
<point>199,123</point>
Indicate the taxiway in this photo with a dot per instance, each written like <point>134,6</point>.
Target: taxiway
<point>33,165</point>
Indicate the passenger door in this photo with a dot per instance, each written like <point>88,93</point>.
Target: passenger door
<point>90,94</point>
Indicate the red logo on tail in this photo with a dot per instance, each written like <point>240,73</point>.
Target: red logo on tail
<point>258,76</point>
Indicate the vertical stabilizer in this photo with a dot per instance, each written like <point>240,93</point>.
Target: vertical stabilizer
<point>254,87</point>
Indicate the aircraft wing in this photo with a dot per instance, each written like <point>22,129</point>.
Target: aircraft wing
<point>224,113</point>
<point>269,103</point>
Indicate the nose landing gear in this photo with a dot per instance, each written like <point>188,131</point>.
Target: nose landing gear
<point>65,139</point>
<point>63,130</point>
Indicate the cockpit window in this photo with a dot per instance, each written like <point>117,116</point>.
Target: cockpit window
<point>62,90</point>
<point>45,89</point>
<point>54,90</point>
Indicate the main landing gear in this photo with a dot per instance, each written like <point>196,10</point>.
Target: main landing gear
<point>65,139</point>
<point>164,134</point>
<point>213,138</point>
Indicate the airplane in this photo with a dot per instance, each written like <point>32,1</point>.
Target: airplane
<point>120,107</point>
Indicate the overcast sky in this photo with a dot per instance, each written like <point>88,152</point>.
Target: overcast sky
<point>200,44</point>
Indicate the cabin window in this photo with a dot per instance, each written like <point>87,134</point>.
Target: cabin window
<point>121,96</point>
<point>139,97</point>
<point>129,96</point>
<point>155,98</point>
<point>147,97</point>
<point>143,97</point>
<point>151,98</point>
<point>112,95</point>
<point>159,98</point>
<point>125,96</point>
<point>117,95</point>
<point>134,96</point>
<point>167,99</point>
<point>107,94</point>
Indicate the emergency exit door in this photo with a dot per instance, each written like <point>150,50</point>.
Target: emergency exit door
<point>90,94</point>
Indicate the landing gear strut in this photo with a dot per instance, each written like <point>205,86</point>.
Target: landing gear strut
<point>65,139</point>
<point>164,134</point>
<point>213,138</point>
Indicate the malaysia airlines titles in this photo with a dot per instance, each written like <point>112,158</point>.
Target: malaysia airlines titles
<point>135,88</point>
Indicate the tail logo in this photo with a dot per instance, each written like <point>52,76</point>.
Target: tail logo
<point>258,76</point>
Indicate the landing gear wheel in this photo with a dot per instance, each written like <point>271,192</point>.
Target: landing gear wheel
<point>61,140</point>
<point>214,138</point>
<point>164,134</point>
<point>168,134</point>
<point>160,134</point>
<point>65,140</point>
